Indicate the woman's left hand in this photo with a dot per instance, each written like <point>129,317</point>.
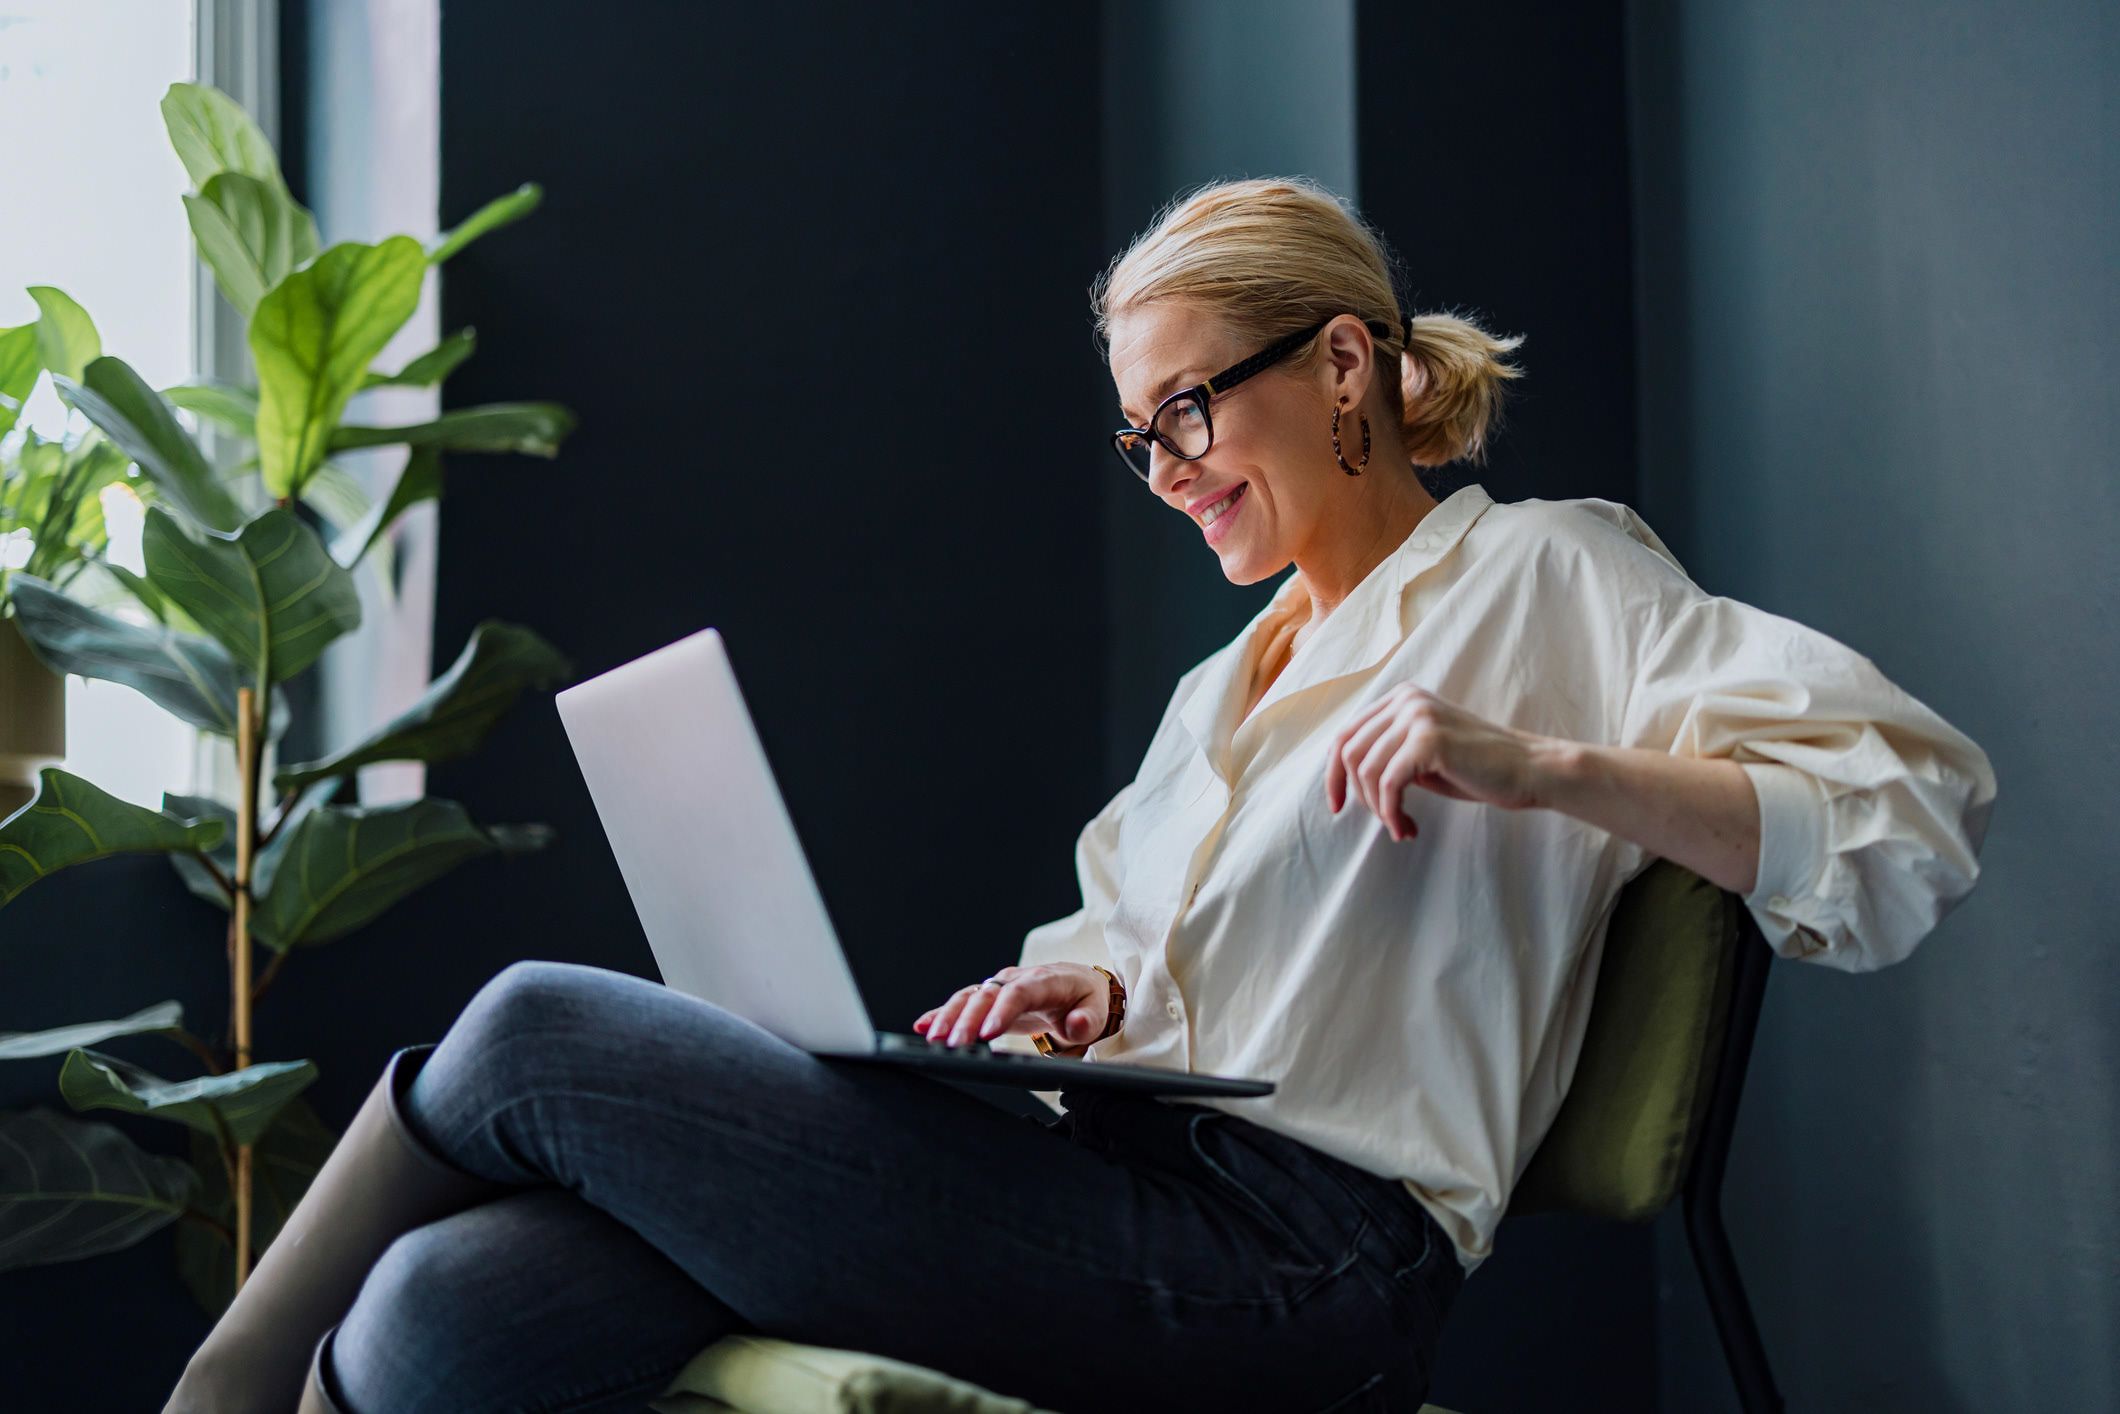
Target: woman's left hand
<point>1411,737</point>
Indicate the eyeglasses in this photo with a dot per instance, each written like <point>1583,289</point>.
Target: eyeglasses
<point>1181,421</point>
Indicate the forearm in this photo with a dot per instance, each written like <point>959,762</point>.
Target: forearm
<point>1697,812</point>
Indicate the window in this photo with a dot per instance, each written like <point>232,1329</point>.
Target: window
<point>95,208</point>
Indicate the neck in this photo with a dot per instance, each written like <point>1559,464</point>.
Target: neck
<point>1332,567</point>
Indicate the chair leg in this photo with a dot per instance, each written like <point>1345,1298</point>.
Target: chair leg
<point>1742,1347</point>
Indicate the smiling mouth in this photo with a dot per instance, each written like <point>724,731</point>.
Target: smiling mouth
<point>1222,507</point>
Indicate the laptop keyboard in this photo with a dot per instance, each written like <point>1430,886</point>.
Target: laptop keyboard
<point>907,1041</point>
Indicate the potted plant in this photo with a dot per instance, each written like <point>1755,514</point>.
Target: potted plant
<point>240,593</point>
<point>51,506</point>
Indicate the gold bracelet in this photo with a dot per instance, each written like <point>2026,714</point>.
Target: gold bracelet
<point>1115,1015</point>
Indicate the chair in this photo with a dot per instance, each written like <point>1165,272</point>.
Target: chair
<point>1649,1114</point>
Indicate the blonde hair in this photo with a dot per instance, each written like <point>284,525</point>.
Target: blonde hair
<point>1267,255</point>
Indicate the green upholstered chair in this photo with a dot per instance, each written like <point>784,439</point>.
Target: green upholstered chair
<point>1648,1116</point>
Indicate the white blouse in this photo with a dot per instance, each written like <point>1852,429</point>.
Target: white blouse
<point>1420,1004</point>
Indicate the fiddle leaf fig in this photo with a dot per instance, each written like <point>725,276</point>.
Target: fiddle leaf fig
<point>71,821</point>
<point>346,864</point>
<point>458,708</point>
<point>73,1188</point>
<point>239,1104</point>
<point>313,337</point>
<point>185,673</point>
<point>272,595</point>
<point>134,416</point>
<point>250,235</point>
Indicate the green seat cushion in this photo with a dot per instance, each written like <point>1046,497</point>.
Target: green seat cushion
<point>757,1374</point>
<point>1618,1147</point>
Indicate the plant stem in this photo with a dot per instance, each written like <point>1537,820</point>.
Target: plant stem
<point>198,1048</point>
<point>198,1217</point>
<point>252,708</point>
<point>272,970</point>
<point>286,809</point>
<point>218,877</point>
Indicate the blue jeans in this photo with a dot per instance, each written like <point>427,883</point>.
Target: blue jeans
<point>685,1173</point>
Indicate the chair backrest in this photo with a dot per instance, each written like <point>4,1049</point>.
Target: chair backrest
<point>1639,1100</point>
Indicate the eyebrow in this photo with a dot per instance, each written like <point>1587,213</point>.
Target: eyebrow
<point>1170,385</point>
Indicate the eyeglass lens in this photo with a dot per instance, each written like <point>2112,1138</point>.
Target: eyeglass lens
<point>1183,427</point>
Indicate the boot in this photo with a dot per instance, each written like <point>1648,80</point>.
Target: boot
<point>317,1396</point>
<point>380,1181</point>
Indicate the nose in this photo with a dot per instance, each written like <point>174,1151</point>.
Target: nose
<point>1167,472</point>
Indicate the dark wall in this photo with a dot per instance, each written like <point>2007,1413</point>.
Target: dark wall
<point>1880,272</point>
<point>1198,91</point>
<point>1493,156</point>
<point>819,307</point>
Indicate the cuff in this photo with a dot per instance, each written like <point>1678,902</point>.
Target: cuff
<point>1792,838</point>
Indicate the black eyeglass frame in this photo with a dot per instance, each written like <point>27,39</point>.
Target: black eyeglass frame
<point>1204,393</point>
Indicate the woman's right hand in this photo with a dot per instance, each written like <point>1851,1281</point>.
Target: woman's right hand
<point>1071,1000</point>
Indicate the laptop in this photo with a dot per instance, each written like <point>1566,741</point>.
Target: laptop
<point>732,912</point>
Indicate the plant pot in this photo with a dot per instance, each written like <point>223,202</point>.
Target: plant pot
<point>32,719</point>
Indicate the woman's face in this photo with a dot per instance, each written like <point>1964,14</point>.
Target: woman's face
<point>1273,435</point>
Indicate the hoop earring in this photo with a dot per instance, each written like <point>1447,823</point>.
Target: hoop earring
<point>1356,469</point>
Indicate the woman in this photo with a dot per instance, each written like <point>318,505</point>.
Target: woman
<point>591,1177</point>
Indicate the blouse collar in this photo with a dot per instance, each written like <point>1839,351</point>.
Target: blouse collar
<point>1359,634</point>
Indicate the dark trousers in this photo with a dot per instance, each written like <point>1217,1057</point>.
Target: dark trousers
<point>685,1174</point>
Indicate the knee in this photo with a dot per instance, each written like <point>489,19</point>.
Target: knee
<point>533,995</point>
<point>528,1013</point>
<point>404,1344</point>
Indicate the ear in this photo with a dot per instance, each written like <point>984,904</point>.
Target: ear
<point>1351,357</point>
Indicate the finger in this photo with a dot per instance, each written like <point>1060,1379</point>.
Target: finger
<point>1400,773</point>
<point>1352,750</point>
<point>1007,1006</point>
<point>967,1021</point>
<point>946,1014</point>
<point>1335,768</point>
<point>1370,769</point>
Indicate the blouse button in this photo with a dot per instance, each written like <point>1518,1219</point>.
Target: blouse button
<point>1778,902</point>
<point>1170,1008</point>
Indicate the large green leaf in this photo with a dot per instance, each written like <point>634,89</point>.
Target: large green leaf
<point>243,1100</point>
<point>491,217</point>
<point>536,428</point>
<point>187,674</point>
<point>421,480</point>
<point>71,821</point>
<point>135,417</point>
<point>347,864</point>
<point>283,1164</point>
<point>458,708</point>
<point>272,595</point>
<point>23,1045</point>
<point>313,337</point>
<point>228,404</point>
<point>66,337</point>
<point>430,367</point>
<point>212,134</point>
<point>249,235</point>
<point>18,371</point>
<point>72,1188</point>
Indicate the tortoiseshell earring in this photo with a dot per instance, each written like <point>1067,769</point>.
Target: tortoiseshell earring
<point>1355,470</point>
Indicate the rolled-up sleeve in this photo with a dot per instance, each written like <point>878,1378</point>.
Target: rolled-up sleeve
<point>1872,808</point>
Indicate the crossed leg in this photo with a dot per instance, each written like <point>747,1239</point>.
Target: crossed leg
<point>688,1173</point>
